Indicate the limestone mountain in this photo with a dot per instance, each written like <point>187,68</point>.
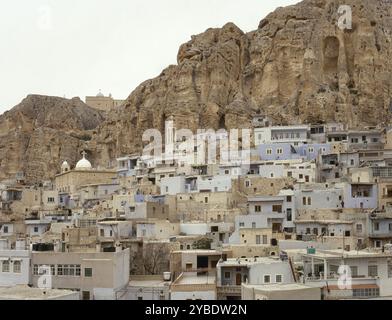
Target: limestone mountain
<point>298,66</point>
<point>41,132</point>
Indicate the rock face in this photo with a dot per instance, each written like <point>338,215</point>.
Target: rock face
<point>297,67</point>
<point>41,132</point>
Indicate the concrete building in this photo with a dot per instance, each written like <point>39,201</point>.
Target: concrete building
<point>103,103</point>
<point>156,229</point>
<point>232,273</point>
<point>193,286</point>
<point>295,135</point>
<point>14,264</point>
<point>69,181</point>
<point>24,292</point>
<point>95,275</point>
<point>291,291</point>
<point>370,273</point>
<point>147,287</point>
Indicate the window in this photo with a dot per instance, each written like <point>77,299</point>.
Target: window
<point>309,201</point>
<point>253,225</point>
<point>269,151</point>
<point>242,224</point>
<point>17,267</point>
<point>72,270</point>
<point>257,208</point>
<point>50,200</point>
<point>359,228</point>
<point>265,239</point>
<point>59,269</point>
<point>289,214</point>
<point>304,201</point>
<point>372,271</point>
<point>289,174</point>
<point>247,183</point>
<point>277,208</point>
<point>279,151</point>
<point>278,278</point>
<point>6,266</point>
<point>390,227</point>
<point>288,199</point>
<point>389,269</point>
<point>354,271</point>
<point>227,275</point>
<point>376,226</point>
<point>5,229</point>
<point>366,292</point>
<point>258,239</point>
<point>35,229</point>
<point>267,278</point>
<point>88,272</point>
<point>227,172</point>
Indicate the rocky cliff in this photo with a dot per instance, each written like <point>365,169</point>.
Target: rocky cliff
<point>41,132</point>
<point>298,66</point>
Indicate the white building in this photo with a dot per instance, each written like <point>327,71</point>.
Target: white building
<point>370,273</point>
<point>297,135</point>
<point>14,264</point>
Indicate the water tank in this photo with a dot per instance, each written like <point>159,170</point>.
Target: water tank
<point>166,276</point>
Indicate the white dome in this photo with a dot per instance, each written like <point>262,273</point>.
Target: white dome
<point>100,94</point>
<point>83,164</point>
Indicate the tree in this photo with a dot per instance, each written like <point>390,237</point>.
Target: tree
<point>202,244</point>
<point>155,258</point>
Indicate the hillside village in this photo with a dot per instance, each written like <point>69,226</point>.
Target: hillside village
<point>312,199</point>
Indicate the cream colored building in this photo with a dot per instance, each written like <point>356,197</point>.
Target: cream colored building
<point>103,103</point>
<point>157,229</point>
<point>68,181</point>
<point>95,275</point>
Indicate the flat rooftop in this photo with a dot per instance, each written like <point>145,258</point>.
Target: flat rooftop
<point>191,278</point>
<point>335,254</point>
<point>147,281</point>
<point>234,262</point>
<point>278,287</point>
<point>27,293</point>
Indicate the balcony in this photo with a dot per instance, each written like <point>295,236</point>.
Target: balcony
<point>380,235</point>
<point>229,289</point>
<point>332,279</point>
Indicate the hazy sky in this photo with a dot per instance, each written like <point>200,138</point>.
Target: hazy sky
<point>77,47</point>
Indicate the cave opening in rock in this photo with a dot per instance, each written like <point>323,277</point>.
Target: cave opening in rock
<point>331,54</point>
